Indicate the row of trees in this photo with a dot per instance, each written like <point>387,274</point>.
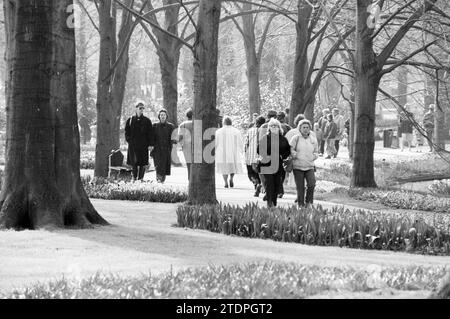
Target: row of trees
<point>42,185</point>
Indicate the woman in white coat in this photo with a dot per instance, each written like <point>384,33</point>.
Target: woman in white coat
<point>229,151</point>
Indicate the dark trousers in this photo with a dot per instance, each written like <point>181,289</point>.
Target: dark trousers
<point>160,178</point>
<point>283,177</point>
<point>272,185</point>
<point>188,165</point>
<point>322,147</point>
<point>336,145</point>
<point>253,176</point>
<point>430,138</point>
<point>138,172</point>
<point>300,177</point>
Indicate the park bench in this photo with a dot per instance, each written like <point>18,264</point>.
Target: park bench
<point>116,167</point>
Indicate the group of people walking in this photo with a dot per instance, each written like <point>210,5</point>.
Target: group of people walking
<point>269,143</point>
<point>267,146</point>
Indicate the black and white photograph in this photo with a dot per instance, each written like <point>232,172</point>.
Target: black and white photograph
<point>225,155</point>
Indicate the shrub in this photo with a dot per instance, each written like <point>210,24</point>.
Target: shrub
<point>318,226</point>
<point>104,188</point>
<point>249,281</point>
<point>402,199</point>
<point>440,188</point>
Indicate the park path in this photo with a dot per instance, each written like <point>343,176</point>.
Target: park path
<point>142,238</point>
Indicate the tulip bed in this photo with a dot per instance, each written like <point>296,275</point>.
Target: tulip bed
<point>151,191</point>
<point>318,226</point>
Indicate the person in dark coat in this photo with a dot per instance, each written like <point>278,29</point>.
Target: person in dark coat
<point>163,146</point>
<point>272,159</point>
<point>139,136</point>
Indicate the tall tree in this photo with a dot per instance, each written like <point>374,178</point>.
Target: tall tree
<point>368,73</point>
<point>86,108</point>
<point>42,186</point>
<point>253,51</point>
<point>112,72</point>
<point>202,187</point>
<point>307,76</point>
<point>168,51</point>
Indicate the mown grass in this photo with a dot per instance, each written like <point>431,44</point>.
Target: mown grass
<point>248,281</point>
<point>151,191</point>
<point>318,226</point>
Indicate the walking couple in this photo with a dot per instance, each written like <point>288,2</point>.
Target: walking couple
<point>142,136</point>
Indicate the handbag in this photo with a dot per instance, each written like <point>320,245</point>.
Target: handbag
<point>288,163</point>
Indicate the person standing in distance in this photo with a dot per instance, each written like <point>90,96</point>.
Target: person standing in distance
<point>340,123</point>
<point>163,146</point>
<point>139,136</point>
<point>428,124</point>
<point>185,136</point>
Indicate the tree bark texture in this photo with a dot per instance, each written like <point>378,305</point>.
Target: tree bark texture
<point>169,57</point>
<point>202,187</point>
<point>253,62</point>
<point>367,81</point>
<point>439,111</point>
<point>301,82</point>
<point>111,82</point>
<point>42,186</point>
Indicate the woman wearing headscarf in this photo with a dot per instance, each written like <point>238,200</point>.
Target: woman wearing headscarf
<point>164,140</point>
<point>273,148</point>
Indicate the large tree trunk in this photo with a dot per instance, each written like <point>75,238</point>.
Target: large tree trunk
<point>85,120</point>
<point>111,82</point>
<point>168,62</point>
<point>253,63</point>
<point>169,57</point>
<point>301,82</point>
<point>42,186</point>
<point>351,131</point>
<point>202,186</point>
<point>439,112</point>
<point>367,81</point>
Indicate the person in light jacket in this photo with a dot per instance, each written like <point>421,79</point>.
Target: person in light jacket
<point>304,151</point>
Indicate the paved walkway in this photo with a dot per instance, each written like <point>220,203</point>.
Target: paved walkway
<point>142,239</point>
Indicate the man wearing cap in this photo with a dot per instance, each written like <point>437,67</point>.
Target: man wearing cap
<point>139,136</point>
<point>163,146</point>
<point>428,124</point>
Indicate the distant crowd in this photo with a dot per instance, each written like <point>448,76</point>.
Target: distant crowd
<point>270,149</point>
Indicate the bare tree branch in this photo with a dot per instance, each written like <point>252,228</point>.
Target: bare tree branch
<point>137,15</point>
<point>89,15</point>
<point>402,61</point>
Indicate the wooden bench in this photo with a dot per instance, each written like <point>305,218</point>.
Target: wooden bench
<point>116,167</point>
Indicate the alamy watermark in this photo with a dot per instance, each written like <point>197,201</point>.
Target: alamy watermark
<point>201,152</point>
<point>73,18</point>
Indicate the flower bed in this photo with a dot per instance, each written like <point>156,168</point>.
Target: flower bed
<point>402,199</point>
<point>318,226</point>
<point>136,191</point>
